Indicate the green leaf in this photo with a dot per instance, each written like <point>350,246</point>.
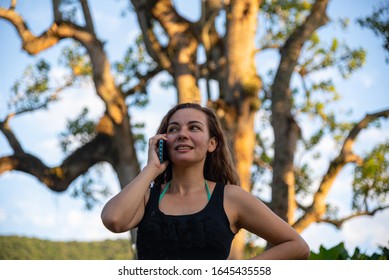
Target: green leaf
<point>370,184</point>
<point>79,131</point>
<point>337,252</point>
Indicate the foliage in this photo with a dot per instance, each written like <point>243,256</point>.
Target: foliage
<point>78,132</point>
<point>32,90</point>
<point>23,248</point>
<point>378,22</point>
<point>76,59</point>
<point>339,252</point>
<point>135,64</point>
<point>282,18</point>
<point>91,187</point>
<point>371,179</point>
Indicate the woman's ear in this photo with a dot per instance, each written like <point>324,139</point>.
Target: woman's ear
<point>212,144</point>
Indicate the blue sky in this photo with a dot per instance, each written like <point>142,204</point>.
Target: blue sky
<point>28,208</point>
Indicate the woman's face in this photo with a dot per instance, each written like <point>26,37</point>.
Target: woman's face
<point>188,138</point>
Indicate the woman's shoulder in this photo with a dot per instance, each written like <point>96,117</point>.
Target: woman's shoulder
<point>233,189</point>
<point>238,196</point>
<point>234,193</point>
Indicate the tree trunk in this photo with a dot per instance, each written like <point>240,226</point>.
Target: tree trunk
<point>286,130</point>
<point>241,96</point>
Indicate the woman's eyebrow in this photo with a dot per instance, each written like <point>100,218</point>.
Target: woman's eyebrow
<point>190,122</point>
<point>196,122</point>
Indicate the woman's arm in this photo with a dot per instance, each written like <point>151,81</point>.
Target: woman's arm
<point>250,213</point>
<point>125,210</point>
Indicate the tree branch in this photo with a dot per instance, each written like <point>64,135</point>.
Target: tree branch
<point>205,27</point>
<point>181,49</point>
<point>57,31</point>
<point>346,155</point>
<point>87,16</point>
<point>52,97</point>
<point>286,129</point>
<point>59,178</point>
<point>291,50</point>
<point>13,4</point>
<point>338,223</point>
<point>154,48</point>
<point>10,136</point>
<point>143,81</point>
<point>56,12</point>
<point>205,31</point>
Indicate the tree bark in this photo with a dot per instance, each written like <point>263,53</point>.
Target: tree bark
<point>180,51</point>
<point>286,130</point>
<point>241,96</point>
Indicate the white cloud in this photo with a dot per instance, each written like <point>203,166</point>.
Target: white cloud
<point>317,235</point>
<point>39,220</point>
<point>74,218</point>
<point>368,138</point>
<point>366,80</point>
<point>367,233</point>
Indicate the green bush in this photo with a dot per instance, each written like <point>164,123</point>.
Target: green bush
<point>23,248</point>
<point>339,252</point>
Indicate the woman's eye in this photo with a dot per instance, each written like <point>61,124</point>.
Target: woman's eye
<point>171,129</point>
<point>195,127</point>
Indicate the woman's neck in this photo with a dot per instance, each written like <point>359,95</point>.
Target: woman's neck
<point>185,180</point>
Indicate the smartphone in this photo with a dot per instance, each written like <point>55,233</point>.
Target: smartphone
<point>162,151</point>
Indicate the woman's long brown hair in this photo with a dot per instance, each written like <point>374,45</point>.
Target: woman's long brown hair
<point>218,165</point>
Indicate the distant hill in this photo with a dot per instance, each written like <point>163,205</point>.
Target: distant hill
<point>24,248</point>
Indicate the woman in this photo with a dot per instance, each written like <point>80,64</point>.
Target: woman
<point>195,206</point>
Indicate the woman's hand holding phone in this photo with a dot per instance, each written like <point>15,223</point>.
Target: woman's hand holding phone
<point>162,151</point>
<point>157,155</point>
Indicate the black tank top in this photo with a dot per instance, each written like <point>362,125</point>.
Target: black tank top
<point>203,235</point>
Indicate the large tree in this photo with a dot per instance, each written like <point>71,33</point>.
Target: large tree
<point>222,46</point>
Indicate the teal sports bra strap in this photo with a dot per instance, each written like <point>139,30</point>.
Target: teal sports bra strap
<point>207,189</point>
<point>164,191</point>
<point>168,184</point>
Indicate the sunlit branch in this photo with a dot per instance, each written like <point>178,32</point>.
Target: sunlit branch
<point>338,223</point>
<point>10,136</point>
<point>154,48</point>
<point>206,23</point>
<point>258,162</point>
<point>13,4</point>
<point>60,177</point>
<point>268,47</point>
<point>35,44</point>
<point>143,80</point>
<point>346,155</point>
<point>302,207</point>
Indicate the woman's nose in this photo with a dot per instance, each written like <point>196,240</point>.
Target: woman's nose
<point>183,133</point>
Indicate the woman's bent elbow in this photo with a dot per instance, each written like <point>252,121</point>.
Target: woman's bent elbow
<point>112,223</point>
<point>305,251</point>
